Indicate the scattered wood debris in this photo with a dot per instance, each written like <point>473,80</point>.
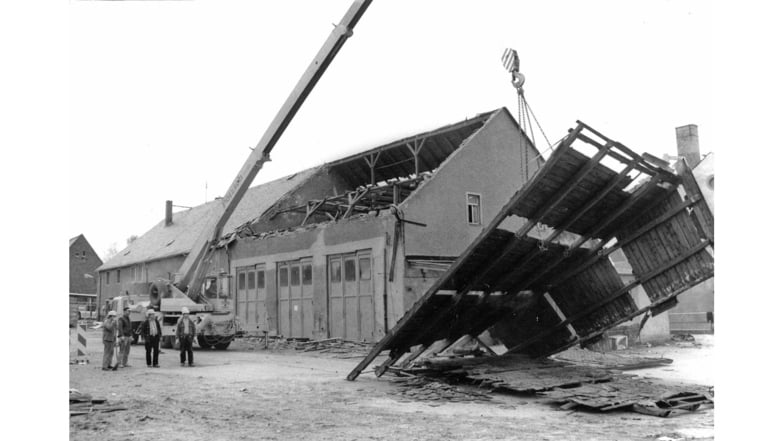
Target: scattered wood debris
<point>633,394</point>
<point>83,404</point>
<point>600,387</point>
<point>609,360</point>
<point>427,389</point>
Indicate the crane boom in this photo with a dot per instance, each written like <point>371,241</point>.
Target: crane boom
<point>194,267</point>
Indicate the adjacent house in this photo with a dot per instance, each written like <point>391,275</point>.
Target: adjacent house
<point>346,248</point>
<point>83,263</point>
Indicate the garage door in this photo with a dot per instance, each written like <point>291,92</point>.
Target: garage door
<point>251,292</point>
<point>295,298</point>
<point>351,306</point>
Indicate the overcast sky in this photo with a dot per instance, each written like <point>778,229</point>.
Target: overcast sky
<point>167,97</point>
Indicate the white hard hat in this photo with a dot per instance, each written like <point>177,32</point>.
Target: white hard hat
<point>111,313</point>
<point>150,312</point>
<point>185,310</point>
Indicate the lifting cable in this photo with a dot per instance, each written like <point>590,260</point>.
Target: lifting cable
<point>511,63</point>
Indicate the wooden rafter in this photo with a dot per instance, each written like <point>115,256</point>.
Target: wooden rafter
<point>415,149</point>
<point>615,295</point>
<point>571,220</point>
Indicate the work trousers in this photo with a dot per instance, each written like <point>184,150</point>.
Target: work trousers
<point>108,351</point>
<point>186,345</point>
<point>151,344</point>
<point>125,349</point>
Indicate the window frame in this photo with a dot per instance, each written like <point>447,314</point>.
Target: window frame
<point>478,205</point>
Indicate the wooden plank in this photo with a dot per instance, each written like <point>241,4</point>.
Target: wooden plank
<point>702,211</point>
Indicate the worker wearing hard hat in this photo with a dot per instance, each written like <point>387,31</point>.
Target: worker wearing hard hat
<point>186,330</point>
<point>151,332</point>
<point>109,338</point>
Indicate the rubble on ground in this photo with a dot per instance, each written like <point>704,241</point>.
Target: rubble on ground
<point>83,404</point>
<point>577,379</point>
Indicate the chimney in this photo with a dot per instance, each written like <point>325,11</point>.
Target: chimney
<point>168,213</point>
<point>688,144</point>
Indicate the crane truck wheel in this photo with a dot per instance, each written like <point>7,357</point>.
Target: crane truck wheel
<point>216,341</point>
<point>167,342</point>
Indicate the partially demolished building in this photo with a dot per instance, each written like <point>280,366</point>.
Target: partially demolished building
<point>456,231</point>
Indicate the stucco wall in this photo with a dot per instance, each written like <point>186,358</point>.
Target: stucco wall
<point>489,164</point>
<point>318,243</point>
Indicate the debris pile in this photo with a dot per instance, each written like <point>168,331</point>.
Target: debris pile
<point>83,404</point>
<point>633,394</point>
<point>425,389</point>
<point>345,348</point>
<point>597,384</point>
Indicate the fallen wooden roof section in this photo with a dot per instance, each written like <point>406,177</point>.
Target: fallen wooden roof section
<point>541,296</point>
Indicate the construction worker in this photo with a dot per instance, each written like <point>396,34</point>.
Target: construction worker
<point>151,332</point>
<point>186,329</point>
<point>125,332</point>
<point>109,339</point>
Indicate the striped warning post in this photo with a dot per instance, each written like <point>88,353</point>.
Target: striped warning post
<point>81,340</point>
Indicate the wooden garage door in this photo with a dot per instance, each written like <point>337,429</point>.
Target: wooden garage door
<point>295,298</point>
<point>251,293</point>
<point>351,304</point>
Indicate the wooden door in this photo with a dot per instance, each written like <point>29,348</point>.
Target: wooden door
<point>351,313</point>
<point>335,313</point>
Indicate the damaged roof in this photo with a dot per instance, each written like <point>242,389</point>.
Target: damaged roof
<point>540,296</point>
<point>177,239</point>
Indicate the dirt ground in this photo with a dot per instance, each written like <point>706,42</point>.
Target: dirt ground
<point>284,394</point>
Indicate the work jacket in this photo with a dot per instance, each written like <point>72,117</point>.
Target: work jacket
<point>145,328</point>
<point>109,328</point>
<point>125,329</point>
<point>181,326</point>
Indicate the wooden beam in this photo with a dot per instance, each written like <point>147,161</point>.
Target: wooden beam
<point>371,161</point>
<point>311,208</point>
<point>702,211</point>
<point>415,149</point>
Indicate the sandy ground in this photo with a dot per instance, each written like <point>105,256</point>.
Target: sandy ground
<point>243,393</point>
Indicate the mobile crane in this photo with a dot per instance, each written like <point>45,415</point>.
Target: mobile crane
<point>216,321</point>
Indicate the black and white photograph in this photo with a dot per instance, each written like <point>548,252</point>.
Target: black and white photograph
<point>387,220</point>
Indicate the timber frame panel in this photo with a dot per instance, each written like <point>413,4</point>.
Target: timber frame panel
<point>540,296</point>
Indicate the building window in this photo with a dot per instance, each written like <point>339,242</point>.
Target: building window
<point>474,204</point>
<point>351,270</point>
<point>307,274</point>
<point>260,279</point>
<point>283,276</point>
<point>241,281</point>
<point>118,276</point>
<point>107,277</point>
<point>364,268</point>
<point>295,275</point>
<point>251,280</point>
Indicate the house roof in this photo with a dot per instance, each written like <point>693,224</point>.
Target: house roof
<point>395,159</point>
<point>177,239</point>
<point>72,240</point>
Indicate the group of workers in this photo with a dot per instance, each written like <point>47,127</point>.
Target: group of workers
<point>119,332</point>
